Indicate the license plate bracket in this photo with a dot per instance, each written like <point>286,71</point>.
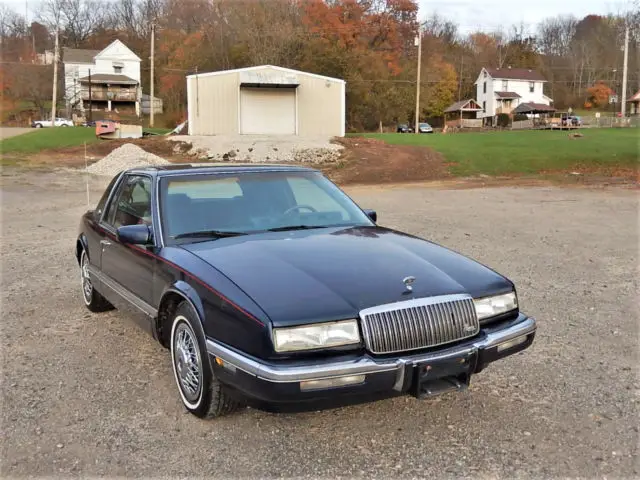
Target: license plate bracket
<point>435,378</point>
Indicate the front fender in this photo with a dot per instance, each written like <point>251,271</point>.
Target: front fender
<point>186,291</point>
<point>81,244</point>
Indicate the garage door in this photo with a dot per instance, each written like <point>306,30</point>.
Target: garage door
<point>270,111</point>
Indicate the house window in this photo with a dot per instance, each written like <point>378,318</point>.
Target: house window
<point>532,86</point>
<point>484,87</point>
<point>505,85</point>
<point>117,69</point>
<point>484,106</point>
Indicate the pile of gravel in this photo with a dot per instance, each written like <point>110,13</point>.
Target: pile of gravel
<point>124,157</point>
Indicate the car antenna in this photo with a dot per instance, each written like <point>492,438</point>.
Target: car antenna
<point>86,173</point>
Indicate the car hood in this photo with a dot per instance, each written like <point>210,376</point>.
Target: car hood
<point>306,276</point>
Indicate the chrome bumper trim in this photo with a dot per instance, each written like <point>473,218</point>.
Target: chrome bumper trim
<point>364,365</point>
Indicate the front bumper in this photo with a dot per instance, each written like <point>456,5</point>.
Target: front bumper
<point>279,382</point>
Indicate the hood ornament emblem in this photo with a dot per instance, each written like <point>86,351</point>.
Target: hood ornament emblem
<point>408,283</point>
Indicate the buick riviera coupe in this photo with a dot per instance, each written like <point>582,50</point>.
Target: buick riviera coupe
<point>271,287</point>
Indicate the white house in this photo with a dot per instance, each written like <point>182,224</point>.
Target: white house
<point>501,90</point>
<point>114,74</point>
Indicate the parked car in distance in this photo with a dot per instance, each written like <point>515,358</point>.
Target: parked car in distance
<point>91,124</point>
<point>404,128</point>
<point>271,287</point>
<point>60,122</point>
<point>425,128</point>
<point>571,120</point>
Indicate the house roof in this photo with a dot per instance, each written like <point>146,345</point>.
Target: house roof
<point>110,78</point>
<point>532,107</point>
<point>515,74</point>
<point>635,98</point>
<point>116,43</point>
<point>469,105</point>
<point>507,95</point>
<point>77,55</point>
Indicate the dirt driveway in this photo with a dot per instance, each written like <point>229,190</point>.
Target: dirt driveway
<point>88,395</point>
<point>7,132</point>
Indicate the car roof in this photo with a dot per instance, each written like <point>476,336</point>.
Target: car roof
<point>200,168</point>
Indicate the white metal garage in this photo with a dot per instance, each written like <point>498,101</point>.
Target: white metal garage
<point>268,111</point>
<point>265,100</point>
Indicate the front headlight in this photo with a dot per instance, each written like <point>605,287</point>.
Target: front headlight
<point>318,335</point>
<point>491,306</point>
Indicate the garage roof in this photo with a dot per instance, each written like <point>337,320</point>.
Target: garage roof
<point>264,67</point>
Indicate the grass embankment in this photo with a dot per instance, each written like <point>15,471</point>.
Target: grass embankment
<point>21,147</point>
<point>528,152</point>
<point>47,139</point>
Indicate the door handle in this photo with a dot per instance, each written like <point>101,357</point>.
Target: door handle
<point>105,243</point>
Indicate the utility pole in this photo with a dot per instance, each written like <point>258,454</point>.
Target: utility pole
<point>623,108</point>
<point>55,81</point>
<point>90,114</point>
<point>460,79</point>
<point>419,41</point>
<point>152,91</point>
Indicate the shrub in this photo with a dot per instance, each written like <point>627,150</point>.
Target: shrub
<point>520,116</point>
<point>503,120</point>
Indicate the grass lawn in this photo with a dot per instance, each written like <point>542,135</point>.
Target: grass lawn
<point>47,138</point>
<point>532,151</point>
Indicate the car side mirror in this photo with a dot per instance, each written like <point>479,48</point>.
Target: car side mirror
<point>371,214</point>
<point>139,234</point>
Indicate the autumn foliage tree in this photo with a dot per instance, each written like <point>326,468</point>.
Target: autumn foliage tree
<point>368,43</point>
<point>598,95</point>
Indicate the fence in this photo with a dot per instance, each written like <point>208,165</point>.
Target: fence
<point>592,121</point>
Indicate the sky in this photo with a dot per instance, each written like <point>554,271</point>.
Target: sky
<point>472,15</point>
<point>487,15</point>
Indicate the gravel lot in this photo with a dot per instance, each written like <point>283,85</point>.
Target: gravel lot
<point>262,148</point>
<point>87,394</point>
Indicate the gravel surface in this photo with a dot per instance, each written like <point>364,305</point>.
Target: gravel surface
<point>122,158</point>
<point>261,148</point>
<point>91,394</point>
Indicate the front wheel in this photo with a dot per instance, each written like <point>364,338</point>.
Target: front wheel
<point>38,125</point>
<point>201,393</point>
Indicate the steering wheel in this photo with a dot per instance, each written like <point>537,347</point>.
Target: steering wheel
<point>299,207</point>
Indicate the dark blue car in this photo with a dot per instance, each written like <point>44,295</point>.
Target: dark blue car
<point>271,287</point>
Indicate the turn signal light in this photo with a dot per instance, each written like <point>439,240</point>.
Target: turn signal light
<point>332,382</point>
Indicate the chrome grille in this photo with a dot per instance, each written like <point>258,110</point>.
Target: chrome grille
<point>419,323</point>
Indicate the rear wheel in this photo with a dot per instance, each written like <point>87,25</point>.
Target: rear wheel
<point>201,393</point>
<point>92,299</point>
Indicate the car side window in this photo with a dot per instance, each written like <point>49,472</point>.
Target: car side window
<point>132,204</point>
<point>103,200</point>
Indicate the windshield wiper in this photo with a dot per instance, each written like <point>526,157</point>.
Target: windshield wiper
<point>209,233</point>
<point>294,227</point>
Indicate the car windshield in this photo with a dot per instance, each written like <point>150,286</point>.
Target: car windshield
<point>203,206</point>
<point>424,125</point>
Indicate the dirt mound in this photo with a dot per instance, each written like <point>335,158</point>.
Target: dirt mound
<point>372,161</point>
<point>124,157</point>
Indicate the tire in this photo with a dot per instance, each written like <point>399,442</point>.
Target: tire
<point>38,125</point>
<point>92,299</point>
<point>190,362</point>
